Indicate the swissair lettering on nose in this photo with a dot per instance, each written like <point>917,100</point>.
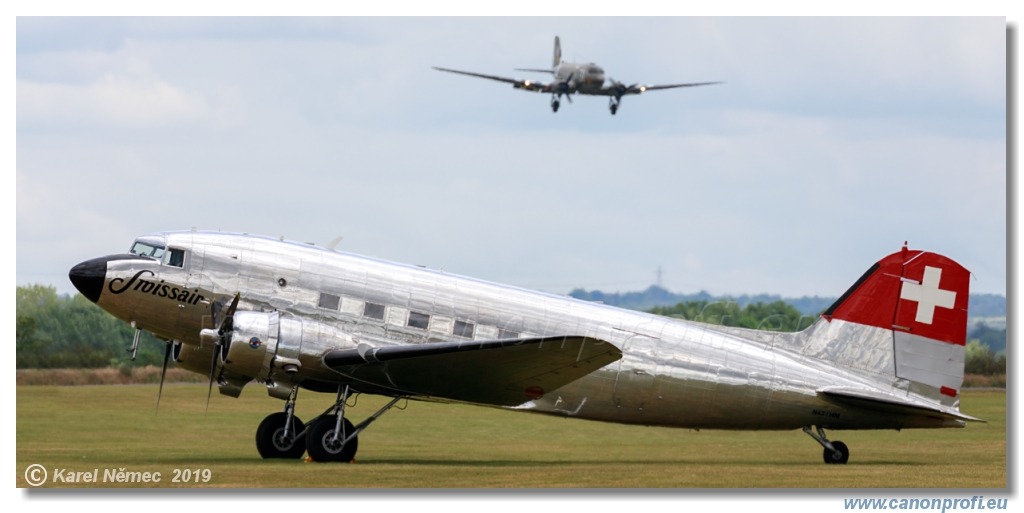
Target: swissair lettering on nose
<point>928,295</point>
<point>157,289</point>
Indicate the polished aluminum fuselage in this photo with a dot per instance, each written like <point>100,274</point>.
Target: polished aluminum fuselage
<point>672,372</point>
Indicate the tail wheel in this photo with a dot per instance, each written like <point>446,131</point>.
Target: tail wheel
<point>273,442</point>
<point>323,445</point>
<point>840,456</point>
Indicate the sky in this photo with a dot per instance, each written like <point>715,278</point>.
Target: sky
<point>830,142</point>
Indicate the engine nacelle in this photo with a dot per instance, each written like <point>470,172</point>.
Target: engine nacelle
<point>247,349</point>
<point>262,346</point>
<point>266,347</point>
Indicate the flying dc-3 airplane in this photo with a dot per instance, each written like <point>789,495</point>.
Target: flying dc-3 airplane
<point>571,77</point>
<point>889,354</point>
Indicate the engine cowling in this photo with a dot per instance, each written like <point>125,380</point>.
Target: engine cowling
<point>261,346</point>
<point>251,336</point>
<point>266,347</point>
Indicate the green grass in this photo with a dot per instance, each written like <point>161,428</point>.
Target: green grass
<point>454,446</point>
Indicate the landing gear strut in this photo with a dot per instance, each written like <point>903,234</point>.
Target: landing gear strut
<point>835,452</point>
<point>281,434</point>
<point>613,104</point>
<point>332,438</point>
<point>329,437</point>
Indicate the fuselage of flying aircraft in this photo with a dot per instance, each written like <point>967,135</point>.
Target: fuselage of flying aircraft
<point>244,308</point>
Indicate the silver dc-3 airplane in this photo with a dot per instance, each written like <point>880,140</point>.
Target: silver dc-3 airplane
<point>889,354</point>
<point>571,77</point>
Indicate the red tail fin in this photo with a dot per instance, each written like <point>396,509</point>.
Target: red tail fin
<point>921,298</point>
<point>911,291</point>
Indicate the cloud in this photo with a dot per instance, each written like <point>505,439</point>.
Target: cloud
<point>113,102</point>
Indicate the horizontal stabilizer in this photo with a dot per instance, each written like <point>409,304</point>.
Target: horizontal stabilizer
<point>893,404</point>
<point>495,372</point>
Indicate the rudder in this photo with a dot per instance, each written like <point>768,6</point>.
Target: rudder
<point>916,303</point>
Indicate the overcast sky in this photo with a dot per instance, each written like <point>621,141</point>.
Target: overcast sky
<point>830,142</point>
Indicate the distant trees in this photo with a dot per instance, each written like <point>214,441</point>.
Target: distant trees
<point>774,316</point>
<point>993,338</point>
<point>55,331</point>
<point>980,359</point>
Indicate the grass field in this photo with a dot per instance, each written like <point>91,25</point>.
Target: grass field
<point>426,445</point>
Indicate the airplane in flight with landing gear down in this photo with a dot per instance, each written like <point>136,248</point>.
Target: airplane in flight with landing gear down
<point>575,78</point>
<point>238,308</point>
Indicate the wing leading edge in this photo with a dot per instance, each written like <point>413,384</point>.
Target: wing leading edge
<point>494,372</point>
<point>518,83</point>
<point>620,89</point>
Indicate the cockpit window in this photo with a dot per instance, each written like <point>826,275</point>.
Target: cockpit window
<point>175,257</point>
<point>147,250</point>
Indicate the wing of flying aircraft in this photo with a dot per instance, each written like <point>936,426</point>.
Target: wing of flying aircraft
<point>239,308</point>
<point>574,78</point>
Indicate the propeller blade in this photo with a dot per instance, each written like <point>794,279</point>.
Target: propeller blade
<point>620,88</point>
<point>229,317</point>
<point>213,368</point>
<point>163,375</point>
<point>224,326</point>
<point>135,341</point>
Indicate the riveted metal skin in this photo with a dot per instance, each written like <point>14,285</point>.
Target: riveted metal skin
<point>320,318</point>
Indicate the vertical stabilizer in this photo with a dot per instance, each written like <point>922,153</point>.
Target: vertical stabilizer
<point>558,54</point>
<point>906,316</point>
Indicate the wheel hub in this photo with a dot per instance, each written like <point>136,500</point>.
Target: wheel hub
<point>333,444</point>
<point>282,442</point>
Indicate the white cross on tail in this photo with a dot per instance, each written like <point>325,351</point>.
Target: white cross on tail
<point>928,295</point>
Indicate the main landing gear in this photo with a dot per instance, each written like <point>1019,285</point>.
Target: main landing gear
<point>328,437</point>
<point>613,104</point>
<point>835,452</point>
<point>556,98</point>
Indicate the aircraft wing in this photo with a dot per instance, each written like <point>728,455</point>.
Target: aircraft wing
<point>879,401</point>
<point>620,89</point>
<point>494,372</point>
<point>529,85</point>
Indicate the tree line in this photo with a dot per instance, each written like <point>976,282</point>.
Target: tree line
<point>60,331</point>
<point>773,316</point>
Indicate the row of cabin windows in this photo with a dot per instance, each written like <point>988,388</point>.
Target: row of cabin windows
<point>415,319</point>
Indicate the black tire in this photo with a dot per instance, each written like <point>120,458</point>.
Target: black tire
<point>839,459</point>
<point>271,444</point>
<point>554,106</point>
<point>321,445</point>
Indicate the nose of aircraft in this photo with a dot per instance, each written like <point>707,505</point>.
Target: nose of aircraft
<point>88,276</point>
